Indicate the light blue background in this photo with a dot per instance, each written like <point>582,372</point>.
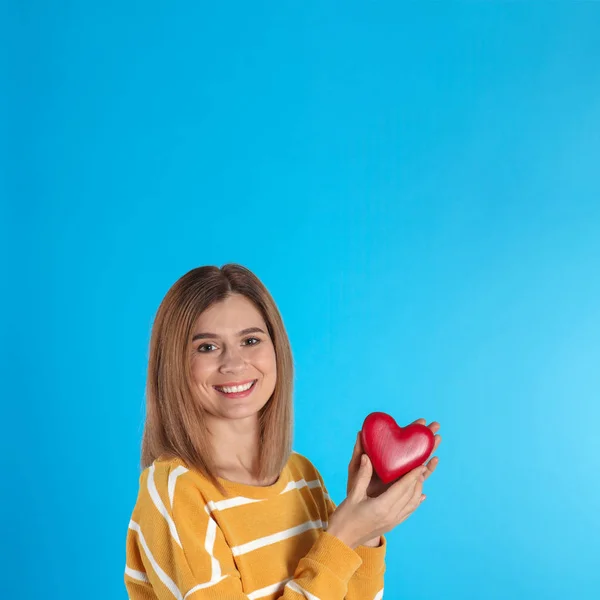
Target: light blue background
<point>417,185</point>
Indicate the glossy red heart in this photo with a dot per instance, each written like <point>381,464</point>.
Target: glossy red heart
<point>395,450</point>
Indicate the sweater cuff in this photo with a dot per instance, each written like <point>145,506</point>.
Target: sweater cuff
<point>373,559</point>
<point>339,558</point>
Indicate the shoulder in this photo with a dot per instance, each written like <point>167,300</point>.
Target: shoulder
<point>304,469</point>
<point>163,471</point>
<point>304,466</point>
<point>166,480</point>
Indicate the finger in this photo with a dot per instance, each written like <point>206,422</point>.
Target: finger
<point>414,500</point>
<point>437,439</point>
<point>363,478</point>
<point>356,453</point>
<point>404,487</point>
<point>418,491</point>
<point>431,465</point>
<point>418,422</point>
<point>436,442</point>
<point>434,426</point>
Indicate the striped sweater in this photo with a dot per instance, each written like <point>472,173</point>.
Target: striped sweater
<point>186,540</point>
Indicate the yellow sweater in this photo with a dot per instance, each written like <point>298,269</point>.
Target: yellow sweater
<point>185,540</point>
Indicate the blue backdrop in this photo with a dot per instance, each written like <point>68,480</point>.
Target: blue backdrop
<point>415,184</point>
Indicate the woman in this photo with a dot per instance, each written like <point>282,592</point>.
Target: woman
<point>226,509</point>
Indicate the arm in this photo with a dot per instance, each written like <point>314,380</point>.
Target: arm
<point>175,550</point>
<point>367,581</point>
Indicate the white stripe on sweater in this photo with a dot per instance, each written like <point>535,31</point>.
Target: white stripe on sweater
<point>209,545</point>
<point>276,537</point>
<point>173,475</point>
<point>296,485</point>
<point>203,586</point>
<point>162,509</point>
<point>294,586</point>
<point>139,575</point>
<point>169,583</point>
<point>268,590</point>
<point>212,506</point>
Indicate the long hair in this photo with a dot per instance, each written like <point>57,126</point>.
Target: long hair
<point>175,423</point>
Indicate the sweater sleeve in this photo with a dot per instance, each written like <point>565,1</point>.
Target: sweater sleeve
<point>175,549</point>
<point>367,581</point>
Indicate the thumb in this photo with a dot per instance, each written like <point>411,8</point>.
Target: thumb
<point>363,477</point>
<point>356,453</point>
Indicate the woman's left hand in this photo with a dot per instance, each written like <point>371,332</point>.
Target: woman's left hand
<point>377,487</point>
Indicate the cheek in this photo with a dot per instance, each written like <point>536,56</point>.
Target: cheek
<point>200,371</point>
<point>266,361</point>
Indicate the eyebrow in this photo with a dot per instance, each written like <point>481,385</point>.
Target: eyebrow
<point>214,336</point>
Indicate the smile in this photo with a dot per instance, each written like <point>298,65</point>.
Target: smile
<point>237,391</point>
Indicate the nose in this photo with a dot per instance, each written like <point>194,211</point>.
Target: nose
<point>233,361</point>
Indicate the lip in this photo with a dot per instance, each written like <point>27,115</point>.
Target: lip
<point>231,384</point>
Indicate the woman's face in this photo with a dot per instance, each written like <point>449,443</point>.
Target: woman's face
<point>224,353</point>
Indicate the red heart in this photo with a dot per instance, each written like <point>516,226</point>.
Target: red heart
<point>394,450</point>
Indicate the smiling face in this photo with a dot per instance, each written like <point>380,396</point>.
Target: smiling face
<point>225,352</point>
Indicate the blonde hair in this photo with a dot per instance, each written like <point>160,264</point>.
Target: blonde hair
<point>175,423</point>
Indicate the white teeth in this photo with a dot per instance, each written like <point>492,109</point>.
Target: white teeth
<point>235,389</point>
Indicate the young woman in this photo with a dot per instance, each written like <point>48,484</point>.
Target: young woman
<point>226,509</point>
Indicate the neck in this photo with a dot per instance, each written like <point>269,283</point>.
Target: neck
<point>235,444</point>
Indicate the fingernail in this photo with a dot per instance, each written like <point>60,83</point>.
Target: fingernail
<point>363,459</point>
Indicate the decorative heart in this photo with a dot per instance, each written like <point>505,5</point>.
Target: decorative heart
<point>394,450</point>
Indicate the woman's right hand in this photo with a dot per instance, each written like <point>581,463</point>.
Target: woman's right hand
<point>360,518</point>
